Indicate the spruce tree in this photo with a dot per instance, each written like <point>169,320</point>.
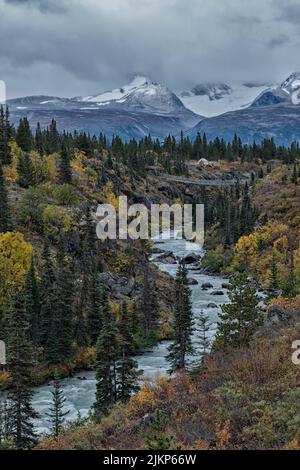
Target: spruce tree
<point>65,171</point>
<point>5,136</point>
<point>183,322</point>
<point>56,413</point>
<point>203,329</point>
<point>39,141</point>
<point>106,361</point>
<point>33,306</point>
<point>49,329</point>
<point>25,171</point>
<point>290,287</point>
<point>149,306</point>
<point>64,302</point>
<point>159,439</point>
<point>274,284</point>
<point>24,137</point>
<point>5,218</point>
<point>89,298</point>
<point>20,365</point>
<point>294,178</point>
<point>94,308</point>
<point>127,367</point>
<point>241,317</point>
<point>4,424</point>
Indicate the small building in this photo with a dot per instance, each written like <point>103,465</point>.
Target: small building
<point>203,163</point>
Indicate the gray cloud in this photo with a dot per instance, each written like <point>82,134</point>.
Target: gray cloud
<point>86,46</point>
<point>52,6</point>
<point>289,11</point>
<point>278,41</point>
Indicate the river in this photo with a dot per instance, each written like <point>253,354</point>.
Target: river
<point>79,390</point>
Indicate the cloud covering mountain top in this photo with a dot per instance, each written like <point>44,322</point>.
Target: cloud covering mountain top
<point>67,47</point>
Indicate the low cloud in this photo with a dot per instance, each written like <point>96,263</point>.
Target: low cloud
<point>86,46</point>
<point>52,6</point>
<point>278,41</point>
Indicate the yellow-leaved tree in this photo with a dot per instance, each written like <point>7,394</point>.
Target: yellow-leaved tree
<point>11,171</point>
<point>51,164</point>
<point>15,259</point>
<point>109,195</point>
<point>246,254</point>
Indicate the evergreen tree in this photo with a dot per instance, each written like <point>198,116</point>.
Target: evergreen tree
<point>20,364</point>
<point>247,215</point>
<point>39,141</point>
<point>32,305</point>
<point>56,413</point>
<point>294,177</point>
<point>4,424</point>
<point>274,284</point>
<point>49,329</point>
<point>183,322</point>
<point>158,439</point>
<point>240,318</point>
<point>65,170</point>
<point>81,330</point>
<point>149,306</point>
<point>5,218</point>
<point>5,137</point>
<point>89,299</point>
<point>106,361</point>
<point>290,287</point>
<point>53,138</point>
<point>64,303</point>
<point>24,137</point>
<point>25,170</point>
<point>203,329</point>
<point>94,310</point>
<point>127,367</point>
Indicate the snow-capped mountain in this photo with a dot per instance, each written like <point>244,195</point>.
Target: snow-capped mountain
<point>141,95</point>
<point>135,110</point>
<point>274,113</point>
<point>284,93</point>
<point>116,95</point>
<point>142,107</point>
<point>213,99</point>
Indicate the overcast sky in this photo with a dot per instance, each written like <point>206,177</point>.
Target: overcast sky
<point>74,47</point>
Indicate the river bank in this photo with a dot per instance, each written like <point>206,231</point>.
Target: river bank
<point>79,390</point>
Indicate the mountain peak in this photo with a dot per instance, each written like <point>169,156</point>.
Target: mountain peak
<point>289,84</point>
<point>139,80</point>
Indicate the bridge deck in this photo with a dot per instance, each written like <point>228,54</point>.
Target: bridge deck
<point>201,182</point>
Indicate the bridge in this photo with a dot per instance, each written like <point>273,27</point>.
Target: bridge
<point>201,182</point>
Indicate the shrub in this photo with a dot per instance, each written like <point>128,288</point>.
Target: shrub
<point>31,209</point>
<point>65,195</point>
<point>55,221</point>
<point>216,261</point>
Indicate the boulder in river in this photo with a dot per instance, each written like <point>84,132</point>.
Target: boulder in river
<point>157,251</point>
<point>195,267</point>
<point>206,286</point>
<point>168,258</point>
<point>191,258</point>
<point>192,281</point>
<point>225,285</point>
<point>212,305</point>
<point>217,292</point>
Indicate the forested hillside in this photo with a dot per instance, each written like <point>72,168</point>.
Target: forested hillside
<point>69,301</point>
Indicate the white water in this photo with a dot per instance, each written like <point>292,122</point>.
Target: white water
<point>80,394</point>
